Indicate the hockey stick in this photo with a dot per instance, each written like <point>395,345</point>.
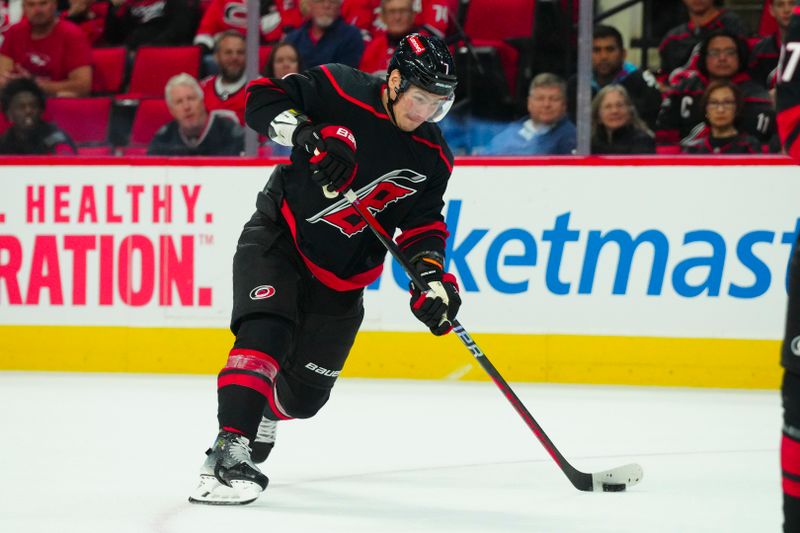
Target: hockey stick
<point>616,479</point>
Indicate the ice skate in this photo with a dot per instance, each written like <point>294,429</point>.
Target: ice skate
<point>228,475</point>
<point>264,441</point>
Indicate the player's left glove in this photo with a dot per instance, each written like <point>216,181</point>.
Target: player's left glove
<point>438,307</point>
<point>333,149</point>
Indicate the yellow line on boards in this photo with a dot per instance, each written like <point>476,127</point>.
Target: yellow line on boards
<point>533,358</point>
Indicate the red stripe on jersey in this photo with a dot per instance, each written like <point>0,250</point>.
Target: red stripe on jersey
<point>792,488</point>
<point>788,121</point>
<point>436,227</point>
<point>349,98</point>
<point>435,147</point>
<point>263,82</point>
<point>258,384</point>
<point>790,455</point>
<point>328,278</point>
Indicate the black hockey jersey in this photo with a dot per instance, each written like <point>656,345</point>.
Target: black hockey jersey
<point>677,46</point>
<point>788,88</point>
<point>681,113</point>
<point>764,58</point>
<point>401,176</point>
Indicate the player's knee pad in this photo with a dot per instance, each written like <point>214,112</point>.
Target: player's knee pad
<point>297,399</point>
<point>255,359</point>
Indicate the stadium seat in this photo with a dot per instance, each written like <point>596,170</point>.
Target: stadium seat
<point>155,65</point>
<point>486,28</point>
<point>4,124</point>
<point>84,119</point>
<point>108,65</point>
<point>151,114</point>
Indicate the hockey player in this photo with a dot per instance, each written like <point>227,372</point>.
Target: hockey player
<point>788,103</point>
<point>303,259</point>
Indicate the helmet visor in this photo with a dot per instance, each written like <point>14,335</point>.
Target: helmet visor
<point>432,107</point>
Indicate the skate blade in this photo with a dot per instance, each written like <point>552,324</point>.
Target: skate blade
<point>212,492</point>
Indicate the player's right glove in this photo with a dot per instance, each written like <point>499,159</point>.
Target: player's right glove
<point>436,308</point>
<point>333,150</point>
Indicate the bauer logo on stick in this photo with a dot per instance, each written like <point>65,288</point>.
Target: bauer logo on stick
<point>262,292</point>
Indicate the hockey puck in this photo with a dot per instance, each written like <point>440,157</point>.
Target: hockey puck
<point>613,487</point>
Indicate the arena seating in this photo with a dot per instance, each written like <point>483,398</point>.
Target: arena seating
<point>155,65</point>
<point>86,120</point>
<point>108,70</point>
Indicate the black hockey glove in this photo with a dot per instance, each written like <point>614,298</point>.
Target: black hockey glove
<point>436,308</point>
<point>333,151</point>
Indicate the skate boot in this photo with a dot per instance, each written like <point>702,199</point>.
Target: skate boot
<point>265,440</point>
<point>228,476</point>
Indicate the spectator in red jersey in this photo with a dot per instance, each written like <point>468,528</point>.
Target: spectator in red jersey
<point>364,15</point>
<point>676,49</point>
<point>226,90</point>
<point>722,102</point>
<point>54,52</point>
<point>23,103</point>
<point>325,37</point>
<point>283,59</point>
<point>722,56</point>
<point>434,16</point>
<point>278,17</point>
<point>195,131</point>
<point>5,19</point>
<point>764,56</point>
<point>90,16</point>
<point>134,23</point>
<point>398,16</point>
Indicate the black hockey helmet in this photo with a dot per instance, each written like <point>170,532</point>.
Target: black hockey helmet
<point>426,63</point>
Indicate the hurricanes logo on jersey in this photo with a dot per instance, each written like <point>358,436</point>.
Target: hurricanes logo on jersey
<point>376,196</point>
<point>262,292</point>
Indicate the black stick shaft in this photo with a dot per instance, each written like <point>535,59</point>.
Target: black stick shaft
<point>580,480</point>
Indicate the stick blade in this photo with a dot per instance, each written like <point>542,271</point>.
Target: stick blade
<point>617,479</point>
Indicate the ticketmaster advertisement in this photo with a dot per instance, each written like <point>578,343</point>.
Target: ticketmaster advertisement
<point>591,252</point>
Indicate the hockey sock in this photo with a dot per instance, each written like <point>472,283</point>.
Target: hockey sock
<point>790,452</point>
<point>242,390</point>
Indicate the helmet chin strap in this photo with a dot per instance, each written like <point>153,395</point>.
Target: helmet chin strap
<point>390,102</point>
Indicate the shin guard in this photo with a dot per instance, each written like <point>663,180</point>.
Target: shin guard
<point>244,388</point>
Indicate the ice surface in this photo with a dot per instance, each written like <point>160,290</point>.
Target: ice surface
<point>95,453</point>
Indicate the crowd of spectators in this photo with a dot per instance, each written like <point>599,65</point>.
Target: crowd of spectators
<point>712,93</point>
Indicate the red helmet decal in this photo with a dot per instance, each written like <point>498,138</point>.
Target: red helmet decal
<point>416,45</point>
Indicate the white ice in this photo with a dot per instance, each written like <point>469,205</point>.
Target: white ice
<point>119,454</point>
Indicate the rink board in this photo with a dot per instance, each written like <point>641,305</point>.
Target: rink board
<point>585,270</point>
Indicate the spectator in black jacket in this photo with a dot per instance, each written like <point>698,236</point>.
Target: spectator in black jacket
<point>23,103</point>
<point>195,131</point>
<point>135,23</point>
<point>764,56</point>
<point>676,49</point>
<point>616,126</point>
<point>723,104</point>
<point>722,56</point>
<point>609,66</point>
